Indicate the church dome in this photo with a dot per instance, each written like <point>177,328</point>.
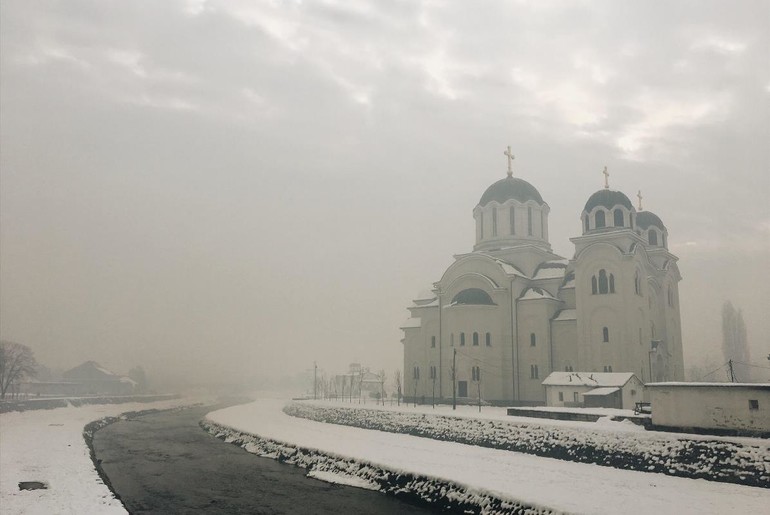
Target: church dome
<point>608,199</point>
<point>511,188</point>
<point>645,219</point>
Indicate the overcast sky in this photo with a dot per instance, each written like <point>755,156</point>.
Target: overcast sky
<point>234,188</point>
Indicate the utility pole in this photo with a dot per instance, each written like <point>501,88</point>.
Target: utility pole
<point>434,389</point>
<point>454,382</point>
<point>315,381</point>
<point>732,372</point>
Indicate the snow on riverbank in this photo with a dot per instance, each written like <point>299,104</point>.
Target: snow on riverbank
<point>48,446</point>
<point>563,486</point>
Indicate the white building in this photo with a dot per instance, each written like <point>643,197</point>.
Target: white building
<point>620,390</point>
<point>511,311</point>
<point>726,407</point>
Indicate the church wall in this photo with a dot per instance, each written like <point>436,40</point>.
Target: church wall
<point>533,318</point>
<point>564,345</point>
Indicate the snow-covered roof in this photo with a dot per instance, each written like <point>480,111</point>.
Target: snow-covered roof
<point>509,268</point>
<point>534,293</point>
<point>425,294</point>
<point>570,283</point>
<point>549,273</point>
<point>412,323</point>
<point>566,314</point>
<point>605,390</point>
<point>587,378</point>
<point>761,386</point>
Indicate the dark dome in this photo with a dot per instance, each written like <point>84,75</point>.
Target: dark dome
<point>473,296</point>
<point>607,198</point>
<point>645,219</point>
<point>510,188</point>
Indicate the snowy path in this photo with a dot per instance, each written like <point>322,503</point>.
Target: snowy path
<point>564,486</point>
<point>48,446</point>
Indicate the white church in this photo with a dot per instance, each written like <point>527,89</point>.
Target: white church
<point>510,312</point>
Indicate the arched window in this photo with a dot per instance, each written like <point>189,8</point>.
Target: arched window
<point>462,339</point>
<point>488,337</point>
<point>475,374</point>
<point>475,339</point>
<point>472,296</point>
<point>529,221</point>
<point>433,342</point>
<point>542,225</point>
<point>532,339</point>
<point>653,237</point>
<point>452,340</point>
<point>618,214</point>
<point>416,373</point>
<point>612,283</point>
<point>605,334</point>
<point>637,286</point>
<point>512,214</point>
<point>599,218</point>
<point>494,221</point>
<point>587,224</point>
<point>533,372</point>
<point>603,286</point>
<point>594,289</point>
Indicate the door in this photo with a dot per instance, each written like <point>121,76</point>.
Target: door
<point>462,388</point>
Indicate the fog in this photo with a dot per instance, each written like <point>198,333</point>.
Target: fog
<point>225,191</point>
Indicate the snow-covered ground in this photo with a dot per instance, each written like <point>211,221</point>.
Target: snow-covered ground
<point>48,446</point>
<point>563,486</point>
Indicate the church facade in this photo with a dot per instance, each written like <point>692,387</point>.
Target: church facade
<point>507,314</point>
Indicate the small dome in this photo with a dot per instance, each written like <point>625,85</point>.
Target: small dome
<point>607,198</point>
<point>510,188</point>
<point>644,219</point>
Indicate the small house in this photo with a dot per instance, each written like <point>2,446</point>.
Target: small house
<point>620,390</point>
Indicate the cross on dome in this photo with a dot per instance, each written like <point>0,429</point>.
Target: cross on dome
<point>606,178</point>
<point>511,157</point>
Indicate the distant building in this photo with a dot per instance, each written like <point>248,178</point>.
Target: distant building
<point>90,378</point>
<point>620,390</point>
<point>511,312</point>
<point>358,382</point>
<point>742,408</point>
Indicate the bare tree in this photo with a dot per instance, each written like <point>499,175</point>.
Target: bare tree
<point>397,380</point>
<point>16,362</point>
<point>381,377</point>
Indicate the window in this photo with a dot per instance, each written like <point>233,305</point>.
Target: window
<point>594,289</point>
<point>670,297</point>
<point>542,225</point>
<point>475,339</point>
<point>568,368</point>
<point>416,373</point>
<point>462,339</point>
<point>575,396</point>
<point>653,237</point>
<point>488,338</point>
<point>533,371</point>
<point>494,221</point>
<point>618,215</point>
<point>603,283</point>
<point>753,404</point>
<point>605,334</point>
<point>475,373</point>
<point>561,396</point>
<point>608,368</point>
<point>637,283</point>
<point>433,371</point>
<point>587,224</point>
<point>512,214</point>
<point>433,342</point>
<point>633,392</point>
<point>481,225</point>
<point>599,219</point>
<point>612,283</point>
<point>532,340</point>
<point>529,221</point>
<point>452,340</point>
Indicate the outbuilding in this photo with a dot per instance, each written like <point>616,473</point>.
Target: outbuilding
<point>621,390</point>
<point>728,408</point>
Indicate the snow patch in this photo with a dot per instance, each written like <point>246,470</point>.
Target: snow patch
<point>342,479</point>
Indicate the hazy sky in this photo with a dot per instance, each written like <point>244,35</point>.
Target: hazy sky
<point>232,188</point>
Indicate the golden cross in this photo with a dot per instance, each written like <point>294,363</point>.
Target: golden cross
<point>606,178</point>
<point>511,157</point>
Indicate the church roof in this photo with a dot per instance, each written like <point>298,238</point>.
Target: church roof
<point>565,314</point>
<point>510,188</point>
<point>411,323</point>
<point>607,198</point>
<point>644,219</point>
<point>534,293</point>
